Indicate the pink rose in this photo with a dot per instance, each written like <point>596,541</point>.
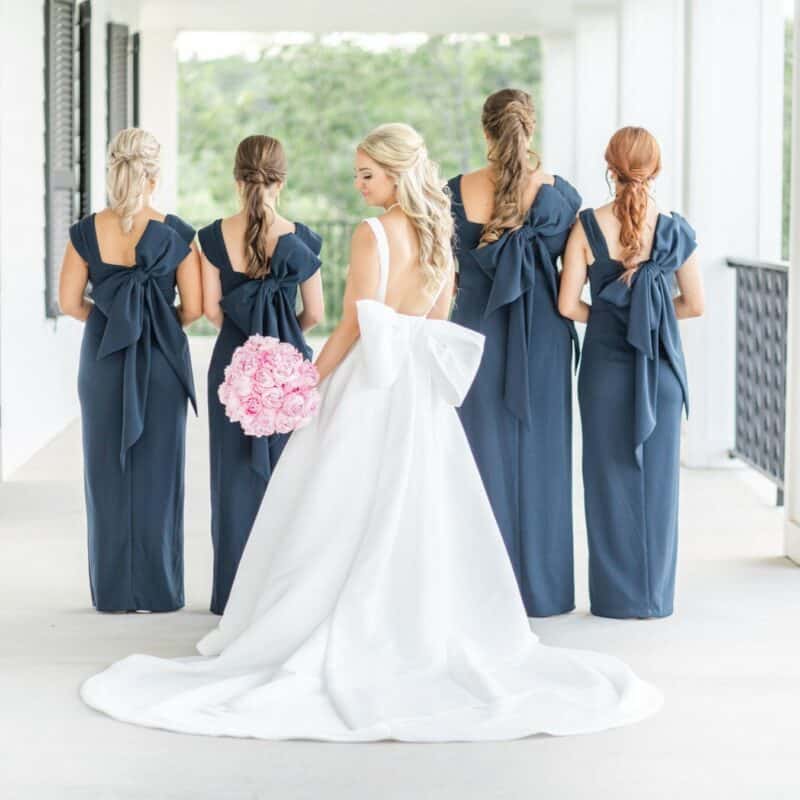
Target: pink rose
<point>294,405</point>
<point>311,404</point>
<point>283,423</point>
<point>244,362</point>
<point>252,405</point>
<point>308,373</point>
<point>272,398</point>
<point>263,424</point>
<point>234,408</point>
<point>289,352</point>
<point>242,385</point>
<point>282,373</point>
<point>263,377</point>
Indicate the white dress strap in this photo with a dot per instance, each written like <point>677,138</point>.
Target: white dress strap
<point>383,256</point>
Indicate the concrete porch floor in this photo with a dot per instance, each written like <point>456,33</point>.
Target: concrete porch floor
<point>728,662</point>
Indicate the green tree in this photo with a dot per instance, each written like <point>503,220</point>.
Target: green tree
<point>320,99</point>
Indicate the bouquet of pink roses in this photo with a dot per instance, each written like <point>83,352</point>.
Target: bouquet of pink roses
<point>269,387</point>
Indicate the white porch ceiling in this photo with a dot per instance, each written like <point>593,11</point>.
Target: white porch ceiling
<point>384,16</point>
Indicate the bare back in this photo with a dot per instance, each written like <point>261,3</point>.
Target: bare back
<point>405,281</point>
<point>610,227</point>
<point>233,233</point>
<point>477,192</point>
<point>116,247</point>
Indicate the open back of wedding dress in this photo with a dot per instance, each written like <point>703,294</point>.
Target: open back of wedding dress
<point>375,599</point>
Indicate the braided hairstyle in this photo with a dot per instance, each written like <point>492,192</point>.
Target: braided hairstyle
<point>633,155</point>
<point>260,165</point>
<point>509,119</point>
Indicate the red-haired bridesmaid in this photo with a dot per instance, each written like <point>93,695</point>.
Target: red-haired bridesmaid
<point>632,382</point>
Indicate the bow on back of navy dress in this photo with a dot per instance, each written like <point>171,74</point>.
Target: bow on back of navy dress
<point>134,380</point>
<point>631,389</point>
<point>518,413</point>
<point>241,465</point>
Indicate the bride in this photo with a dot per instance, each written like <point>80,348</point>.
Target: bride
<point>375,599</point>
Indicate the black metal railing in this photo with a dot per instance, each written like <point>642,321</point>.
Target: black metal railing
<point>335,258</point>
<point>762,290</point>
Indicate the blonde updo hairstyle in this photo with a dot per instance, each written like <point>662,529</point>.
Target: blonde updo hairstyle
<point>633,155</point>
<point>509,120</point>
<point>260,168</point>
<point>133,168</point>
<point>401,151</point>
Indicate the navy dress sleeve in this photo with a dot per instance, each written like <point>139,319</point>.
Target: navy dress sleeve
<point>78,237</point>
<point>310,238</point>
<point>211,245</point>
<point>183,229</point>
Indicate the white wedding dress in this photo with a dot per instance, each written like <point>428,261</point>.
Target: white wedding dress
<point>375,599</point>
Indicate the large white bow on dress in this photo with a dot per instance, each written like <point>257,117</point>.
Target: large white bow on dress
<point>450,352</point>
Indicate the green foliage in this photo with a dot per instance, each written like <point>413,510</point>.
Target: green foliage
<point>320,99</point>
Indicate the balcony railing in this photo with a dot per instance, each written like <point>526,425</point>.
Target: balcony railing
<point>335,257</point>
<point>761,335</point>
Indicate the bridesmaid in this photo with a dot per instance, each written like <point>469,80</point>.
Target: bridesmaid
<point>253,263</point>
<point>632,382</point>
<point>512,221</point>
<point>134,379</point>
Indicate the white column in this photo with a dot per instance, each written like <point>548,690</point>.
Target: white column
<point>159,106</point>
<point>652,84</point>
<point>596,98</point>
<point>99,103</point>
<point>770,114</point>
<point>725,188</point>
<point>792,472</point>
<point>558,105</point>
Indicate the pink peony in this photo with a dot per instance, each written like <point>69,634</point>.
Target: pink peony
<point>269,387</point>
<point>273,397</point>
<point>283,423</point>
<point>294,405</point>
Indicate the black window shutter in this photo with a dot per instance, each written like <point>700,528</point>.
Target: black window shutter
<point>117,62</point>
<point>136,40</point>
<point>60,178</point>
<point>85,67</point>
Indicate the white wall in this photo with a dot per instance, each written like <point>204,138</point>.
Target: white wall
<point>558,105</point>
<point>596,98</point>
<point>792,481</point>
<point>159,109</point>
<point>38,356</point>
<point>651,78</point>
<point>730,199</point>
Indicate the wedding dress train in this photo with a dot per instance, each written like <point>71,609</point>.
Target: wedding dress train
<point>375,599</point>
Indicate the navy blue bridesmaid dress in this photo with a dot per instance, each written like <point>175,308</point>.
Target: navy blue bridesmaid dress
<point>518,413</point>
<point>241,465</point>
<point>631,388</point>
<point>134,380</point>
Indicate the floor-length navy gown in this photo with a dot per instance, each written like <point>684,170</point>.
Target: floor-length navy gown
<point>134,379</point>
<point>631,388</point>
<point>241,465</point>
<point>518,413</point>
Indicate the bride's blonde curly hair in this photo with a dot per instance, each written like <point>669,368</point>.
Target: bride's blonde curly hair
<point>401,151</point>
<point>133,161</point>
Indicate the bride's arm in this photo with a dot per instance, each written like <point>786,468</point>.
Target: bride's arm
<point>362,283</point>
